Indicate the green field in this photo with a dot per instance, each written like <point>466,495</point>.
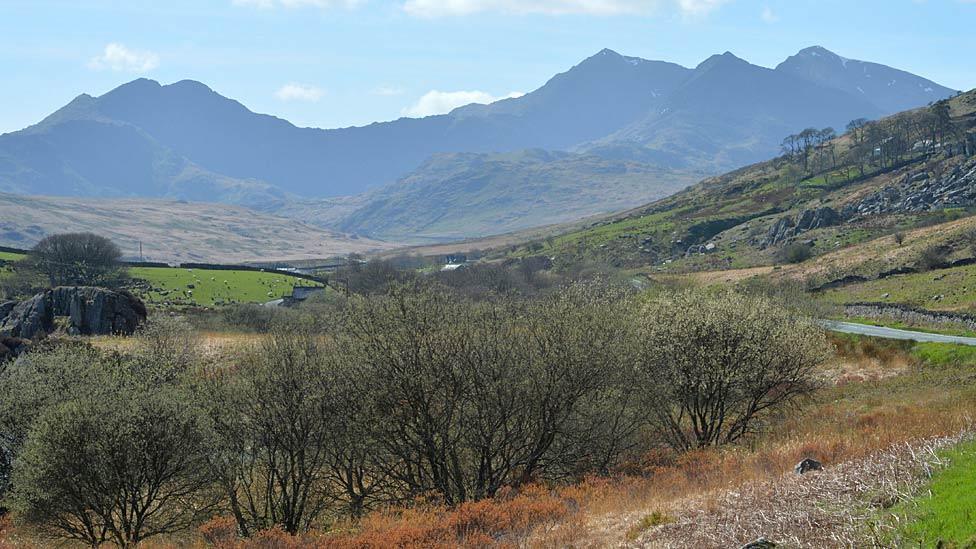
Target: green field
<point>213,287</point>
<point>6,257</point>
<point>948,517</point>
<point>171,286</point>
<point>947,289</point>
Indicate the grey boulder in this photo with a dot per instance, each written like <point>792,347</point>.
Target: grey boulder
<point>86,310</point>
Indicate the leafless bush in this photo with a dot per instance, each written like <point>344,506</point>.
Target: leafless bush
<point>716,365</point>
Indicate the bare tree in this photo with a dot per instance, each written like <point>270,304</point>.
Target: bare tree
<point>272,423</point>
<point>717,365</point>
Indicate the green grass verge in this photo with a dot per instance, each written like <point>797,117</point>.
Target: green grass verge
<point>172,286</point>
<point>9,256</point>
<point>948,517</point>
<point>943,354</point>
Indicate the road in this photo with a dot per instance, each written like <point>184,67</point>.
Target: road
<point>893,333</point>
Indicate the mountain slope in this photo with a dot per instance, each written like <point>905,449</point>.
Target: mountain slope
<point>174,231</point>
<point>464,195</point>
<point>889,89</point>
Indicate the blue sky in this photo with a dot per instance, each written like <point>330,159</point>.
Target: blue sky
<point>333,63</point>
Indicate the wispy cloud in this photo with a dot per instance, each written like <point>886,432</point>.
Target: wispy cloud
<point>700,7</point>
<point>768,15</point>
<point>442,8</point>
<point>387,91</point>
<point>117,57</point>
<point>439,8</point>
<point>439,102</point>
<point>299,92</point>
<point>268,4</point>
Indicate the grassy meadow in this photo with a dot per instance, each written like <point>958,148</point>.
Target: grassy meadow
<point>175,286</point>
<point>202,287</point>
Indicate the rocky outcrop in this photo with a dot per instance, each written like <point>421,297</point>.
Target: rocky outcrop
<point>920,192</point>
<point>808,465</point>
<point>85,310</point>
<point>787,227</point>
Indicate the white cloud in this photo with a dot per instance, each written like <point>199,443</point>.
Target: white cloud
<point>387,91</point>
<point>117,57</point>
<point>441,8</point>
<point>438,102</point>
<point>700,7</point>
<point>768,15</point>
<point>438,8</point>
<point>268,4</point>
<point>299,92</point>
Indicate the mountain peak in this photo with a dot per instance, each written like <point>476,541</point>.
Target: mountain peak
<point>602,57</point>
<point>726,59</point>
<point>190,85</point>
<point>816,51</point>
<point>890,89</point>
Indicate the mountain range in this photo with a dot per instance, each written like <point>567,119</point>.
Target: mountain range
<point>467,173</point>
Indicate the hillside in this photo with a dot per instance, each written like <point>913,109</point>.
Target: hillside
<point>887,177</point>
<point>465,195</point>
<point>172,231</point>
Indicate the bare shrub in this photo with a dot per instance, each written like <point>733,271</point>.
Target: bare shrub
<point>717,365</point>
<point>933,257</point>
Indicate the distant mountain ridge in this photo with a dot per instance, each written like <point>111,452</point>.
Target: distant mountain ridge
<point>186,141</point>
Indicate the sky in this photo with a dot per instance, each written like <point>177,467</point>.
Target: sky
<point>337,63</point>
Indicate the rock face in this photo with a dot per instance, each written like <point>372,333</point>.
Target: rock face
<point>786,228</point>
<point>87,310</point>
<point>808,465</point>
<point>921,192</point>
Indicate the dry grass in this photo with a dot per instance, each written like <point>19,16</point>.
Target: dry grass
<point>879,254</point>
<point>842,506</point>
<point>215,344</point>
<point>710,278</point>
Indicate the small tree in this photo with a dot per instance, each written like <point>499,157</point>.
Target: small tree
<point>273,421</point>
<point>721,364</point>
<point>899,238</point>
<point>122,469</point>
<point>77,259</point>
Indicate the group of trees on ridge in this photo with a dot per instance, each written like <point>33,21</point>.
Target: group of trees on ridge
<point>882,143</point>
<point>419,392</point>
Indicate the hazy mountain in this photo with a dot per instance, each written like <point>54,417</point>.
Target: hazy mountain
<point>463,195</point>
<point>889,89</point>
<point>186,141</point>
<point>728,113</point>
